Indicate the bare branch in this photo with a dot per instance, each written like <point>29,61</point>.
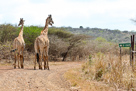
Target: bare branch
<point>133,20</point>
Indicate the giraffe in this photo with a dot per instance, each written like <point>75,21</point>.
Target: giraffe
<point>19,45</point>
<point>41,45</point>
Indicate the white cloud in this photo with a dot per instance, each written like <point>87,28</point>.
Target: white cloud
<point>69,12</point>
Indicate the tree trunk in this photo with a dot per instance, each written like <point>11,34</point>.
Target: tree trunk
<point>65,55</point>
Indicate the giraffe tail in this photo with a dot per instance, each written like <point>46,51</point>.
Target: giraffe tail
<point>37,56</point>
<point>13,50</point>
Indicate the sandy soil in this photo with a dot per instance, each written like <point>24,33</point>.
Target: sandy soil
<point>28,79</point>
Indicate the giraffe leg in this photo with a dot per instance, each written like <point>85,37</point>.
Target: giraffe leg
<point>47,62</point>
<point>44,62</point>
<point>21,61</point>
<point>41,57</point>
<point>40,61</point>
<point>18,60</point>
<point>35,61</point>
<point>47,57</point>
<point>15,62</point>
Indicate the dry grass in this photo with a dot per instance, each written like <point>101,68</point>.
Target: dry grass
<point>106,70</point>
<point>78,80</point>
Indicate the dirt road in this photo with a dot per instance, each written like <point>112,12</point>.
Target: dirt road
<point>28,79</point>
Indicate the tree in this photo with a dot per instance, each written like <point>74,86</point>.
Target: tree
<point>81,27</point>
<point>74,41</point>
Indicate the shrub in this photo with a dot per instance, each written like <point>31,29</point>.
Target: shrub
<point>30,34</point>
<point>111,70</point>
<point>100,39</point>
<point>57,46</point>
<point>60,33</point>
<point>98,74</point>
<point>90,58</point>
<point>5,50</point>
<point>7,32</point>
<point>75,47</point>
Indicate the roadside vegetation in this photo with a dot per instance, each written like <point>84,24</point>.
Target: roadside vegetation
<point>104,72</point>
<point>101,69</point>
<point>63,44</point>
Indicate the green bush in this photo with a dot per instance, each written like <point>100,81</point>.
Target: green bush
<point>7,32</point>
<point>60,33</point>
<point>30,34</point>
<point>101,39</point>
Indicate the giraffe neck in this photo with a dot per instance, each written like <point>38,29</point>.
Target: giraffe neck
<point>45,30</point>
<point>21,30</point>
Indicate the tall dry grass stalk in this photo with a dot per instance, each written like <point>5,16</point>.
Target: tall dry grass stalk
<point>109,69</point>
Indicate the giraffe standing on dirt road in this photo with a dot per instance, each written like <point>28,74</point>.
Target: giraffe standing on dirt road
<point>41,45</point>
<point>18,46</point>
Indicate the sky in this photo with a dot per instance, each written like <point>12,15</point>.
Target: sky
<point>105,14</point>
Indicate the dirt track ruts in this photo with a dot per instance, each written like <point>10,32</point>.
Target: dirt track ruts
<point>28,79</point>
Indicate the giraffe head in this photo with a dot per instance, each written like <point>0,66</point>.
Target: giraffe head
<point>50,20</point>
<point>21,22</point>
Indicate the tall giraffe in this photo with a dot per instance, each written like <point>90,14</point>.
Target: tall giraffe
<point>19,45</point>
<point>41,45</point>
